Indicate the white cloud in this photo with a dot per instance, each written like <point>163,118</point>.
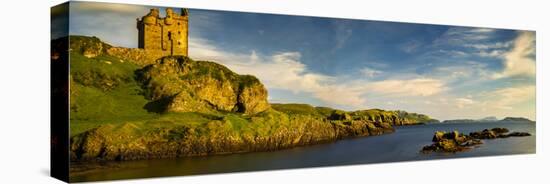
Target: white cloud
<point>506,98</point>
<point>492,53</point>
<point>411,87</point>
<point>468,69</point>
<point>279,71</point>
<point>449,53</point>
<point>285,71</point>
<point>497,45</point>
<point>518,61</point>
<point>463,35</point>
<point>463,102</point>
<point>370,72</point>
<point>481,30</point>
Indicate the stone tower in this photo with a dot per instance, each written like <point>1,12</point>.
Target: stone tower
<point>164,36</point>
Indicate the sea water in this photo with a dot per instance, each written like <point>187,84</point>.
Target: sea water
<point>402,145</point>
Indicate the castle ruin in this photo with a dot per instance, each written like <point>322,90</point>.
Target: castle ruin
<point>164,36</point>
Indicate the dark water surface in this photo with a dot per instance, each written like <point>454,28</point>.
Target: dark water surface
<point>402,145</point>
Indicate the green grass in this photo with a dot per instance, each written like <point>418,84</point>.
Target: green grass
<point>303,109</point>
<point>94,102</point>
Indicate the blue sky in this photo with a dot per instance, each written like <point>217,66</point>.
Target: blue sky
<point>444,71</point>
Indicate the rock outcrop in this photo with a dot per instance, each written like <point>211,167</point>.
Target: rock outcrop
<point>457,142</point>
<point>196,86</point>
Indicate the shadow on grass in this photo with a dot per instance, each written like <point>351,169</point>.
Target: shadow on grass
<point>158,106</point>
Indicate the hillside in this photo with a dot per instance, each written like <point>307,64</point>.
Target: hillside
<point>126,107</point>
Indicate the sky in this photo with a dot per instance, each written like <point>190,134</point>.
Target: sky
<point>447,72</point>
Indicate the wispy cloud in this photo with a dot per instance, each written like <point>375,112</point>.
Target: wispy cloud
<point>370,72</point>
<point>484,46</point>
<point>464,35</point>
<point>343,32</point>
<point>520,60</point>
<point>464,71</point>
<point>411,46</point>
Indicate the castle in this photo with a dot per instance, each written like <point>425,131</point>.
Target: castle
<point>164,36</point>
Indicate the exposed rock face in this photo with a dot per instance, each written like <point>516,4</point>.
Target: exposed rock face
<point>456,142</point>
<point>185,102</point>
<point>89,47</point>
<point>137,56</point>
<point>187,84</point>
<point>252,97</point>
<point>129,142</point>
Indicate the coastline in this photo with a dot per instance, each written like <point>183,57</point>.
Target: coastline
<point>352,150</point>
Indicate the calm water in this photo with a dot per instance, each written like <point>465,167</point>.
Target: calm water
<point>403,145</point>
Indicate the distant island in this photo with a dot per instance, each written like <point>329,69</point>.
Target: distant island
<point>491,119</point>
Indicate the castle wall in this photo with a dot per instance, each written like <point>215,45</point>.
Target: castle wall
<point>164,36</point>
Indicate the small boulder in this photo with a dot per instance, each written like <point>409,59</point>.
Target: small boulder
<point>438,136</point>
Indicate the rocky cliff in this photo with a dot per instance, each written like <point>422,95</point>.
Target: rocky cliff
<point>125,107</point>
<point>201,86</point>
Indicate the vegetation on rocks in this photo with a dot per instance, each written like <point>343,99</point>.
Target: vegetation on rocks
<point>126,108</point>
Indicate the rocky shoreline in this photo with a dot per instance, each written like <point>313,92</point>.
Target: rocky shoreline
<point>452,142</point>
<point>95,146</point>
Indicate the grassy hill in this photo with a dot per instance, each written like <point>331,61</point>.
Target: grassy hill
<point>122,109</point>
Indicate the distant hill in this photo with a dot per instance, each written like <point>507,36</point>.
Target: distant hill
<point>491,119</point>
<point>517,119</point>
